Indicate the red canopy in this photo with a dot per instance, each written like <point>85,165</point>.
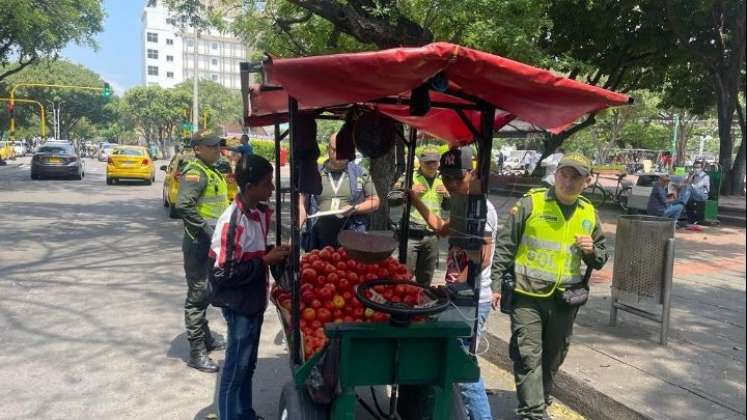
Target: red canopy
<point>517,90</point>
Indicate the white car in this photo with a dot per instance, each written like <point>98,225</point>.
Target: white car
<point>104,151</point>
<point>20,149</point>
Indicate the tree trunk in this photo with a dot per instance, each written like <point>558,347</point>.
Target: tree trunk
<point>726,145</point>
<point>383,174</point>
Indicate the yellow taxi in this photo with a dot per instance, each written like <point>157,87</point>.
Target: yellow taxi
<point>130,162</point>
<point>174,172</point>
<point>7,151</point>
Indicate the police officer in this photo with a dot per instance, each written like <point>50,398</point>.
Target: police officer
<point>549,232</point>
<point>202,198</point>
<point>422,246</point>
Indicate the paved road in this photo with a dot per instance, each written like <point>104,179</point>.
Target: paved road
<point>91,317</point>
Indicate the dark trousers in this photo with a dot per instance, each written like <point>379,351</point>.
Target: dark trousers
<point>422,255</point>
<point>235,389</point>
<point>541,334</point>
<point>195,306</point>
<point>695,211</point>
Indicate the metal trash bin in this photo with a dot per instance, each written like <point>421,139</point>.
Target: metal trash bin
<point>642,272</point>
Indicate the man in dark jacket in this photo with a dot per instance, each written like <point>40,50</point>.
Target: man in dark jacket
<point>238,282</point>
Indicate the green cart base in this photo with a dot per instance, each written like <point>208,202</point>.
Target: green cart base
<point>426,359</point>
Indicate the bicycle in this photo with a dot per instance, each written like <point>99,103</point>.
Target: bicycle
<point>599,196</point>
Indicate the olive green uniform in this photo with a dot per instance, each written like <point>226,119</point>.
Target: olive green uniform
<point>541,323</point>
<point>198,233</point>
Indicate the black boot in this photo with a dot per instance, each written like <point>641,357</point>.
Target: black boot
<point>198,359</point>
<point>215,342</point>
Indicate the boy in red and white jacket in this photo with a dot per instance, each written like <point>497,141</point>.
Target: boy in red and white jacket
<point>238,282</point>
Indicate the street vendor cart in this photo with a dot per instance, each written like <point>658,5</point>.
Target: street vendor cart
<point>447,91</point>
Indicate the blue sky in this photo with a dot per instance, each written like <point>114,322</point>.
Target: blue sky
<point>117,59</point>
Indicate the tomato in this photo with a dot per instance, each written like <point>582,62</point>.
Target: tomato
<point>378,317</point>
<point>310,258</point>
<point>328,304</point>
<point>388,294</point>
<point>383,273</point>
<point>337,313</point>
<point>402,269</point>
<point>338,321</point>
<point>316,304</point>
<point>400,289</point>
<point>321,281</point>
<point>358,313</point>
<point>409,300</point>
<point>325,293</point>
<point>318,265</point>
<point>348,318</point>
<point>341,266</point>
<point>308,275</point>
<point>329,268</point>
<point>333,278</point>
<point>328,248</point>
<point>308,296</point>
<point>344,285</point>
<point>368,312</point>
<point>302,323</point>
<point>309,314</point>
<point>396,299</point>
<point>306,286</point>
<point>324,315</point>
<point>347,296</point>
<point>343,253</point>
<point>316,324</point>
<point>333,288</point>
<point>325,255</point>
<point>350,264</point>
<point>371,276</point>
<point>338,301</point>
<point>354,279</point>
<point>336,257</point>
<point>356,303</point>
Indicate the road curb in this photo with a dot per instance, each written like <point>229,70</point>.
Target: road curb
<point>572,391</point>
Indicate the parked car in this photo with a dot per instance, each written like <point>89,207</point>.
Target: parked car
<point>104,151</point>
<point>19,148</point>
<point>58,160</point>
<point>7,151</point>
<point>130,162</point>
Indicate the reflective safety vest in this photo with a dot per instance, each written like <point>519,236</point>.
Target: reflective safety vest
<point>214,198</point>
<point>430,197</point>
<point>548,258</point>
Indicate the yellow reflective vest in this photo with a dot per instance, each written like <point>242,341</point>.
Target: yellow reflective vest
<point>214,198</point>
<point>547,258</point>
<point>430,198</point>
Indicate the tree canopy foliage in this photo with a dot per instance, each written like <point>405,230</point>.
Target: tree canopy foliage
<point>33,30</point>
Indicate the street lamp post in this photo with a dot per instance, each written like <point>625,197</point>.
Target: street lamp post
<point>195,85</point>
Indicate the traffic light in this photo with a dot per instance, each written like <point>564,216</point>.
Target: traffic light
<point>107,92</point>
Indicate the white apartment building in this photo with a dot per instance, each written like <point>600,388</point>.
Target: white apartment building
<point>168,54</point>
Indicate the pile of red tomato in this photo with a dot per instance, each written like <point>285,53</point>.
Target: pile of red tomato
<point>328,281</point>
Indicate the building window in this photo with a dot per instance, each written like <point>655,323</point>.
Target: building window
<point>152,70</point>
<point>152,37</point>
<point>214,45</point>
<point>171,21</point>
<point>214,77</point>
<point>170,58</point>
<point>153,54</point>
<point>214,61</point>
<point>169,41</point>
<point>170,74</point>
<point>190,43</point>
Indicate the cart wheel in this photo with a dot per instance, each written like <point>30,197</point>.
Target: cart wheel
<point>296,405</point>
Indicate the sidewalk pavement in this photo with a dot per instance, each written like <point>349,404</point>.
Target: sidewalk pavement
<point>623,373</point>
<point>620,373</point>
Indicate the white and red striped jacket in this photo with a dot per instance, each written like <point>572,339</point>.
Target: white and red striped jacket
<point>250,238</point>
